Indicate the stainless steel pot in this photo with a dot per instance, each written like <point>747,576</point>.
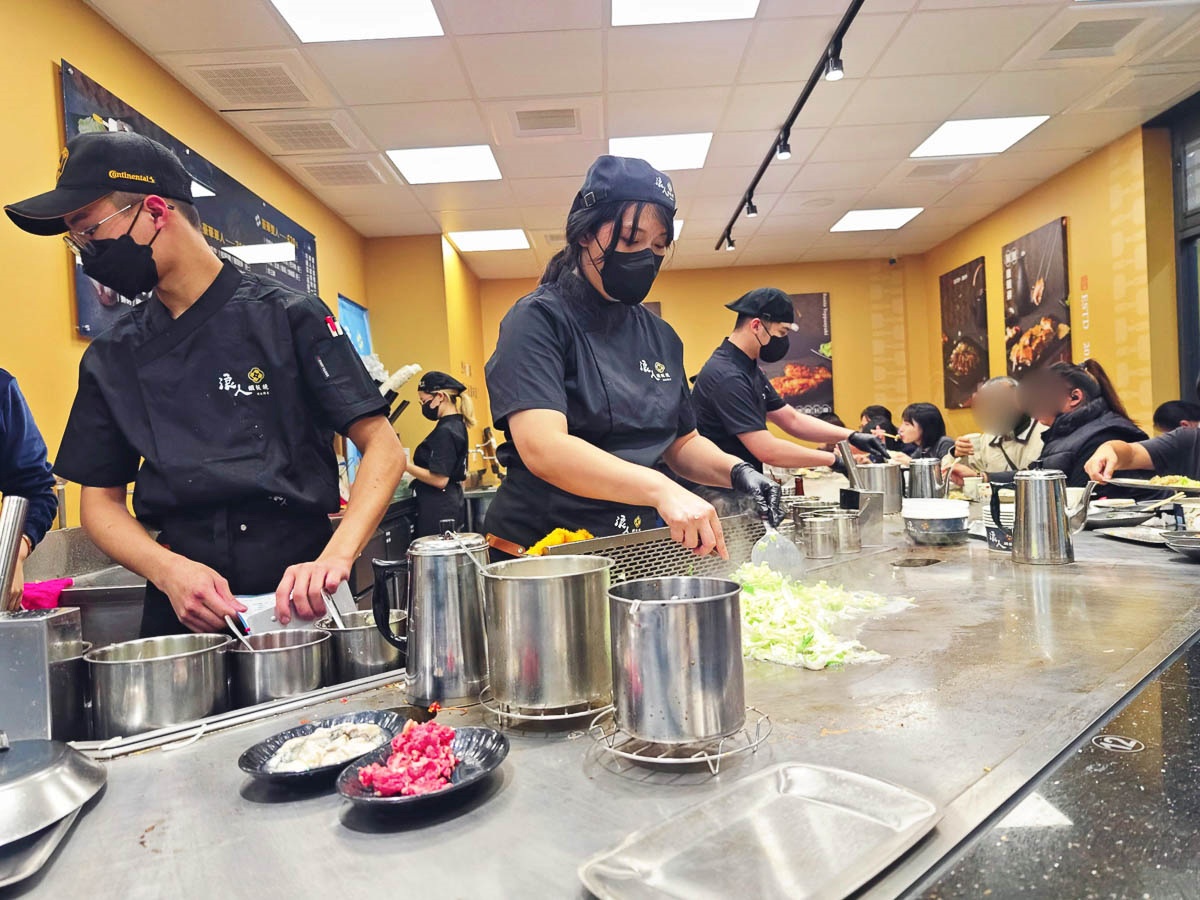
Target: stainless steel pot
<point>282,664</point>
<point>884,478</point>
<point>68,695</point>
<point>547,631</point>
<point>677,658</point>
<point>359,650</point>
<point>154,682</point>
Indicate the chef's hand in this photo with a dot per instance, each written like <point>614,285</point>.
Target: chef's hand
<point>963,447</point>
<point>869,444</point>
<point>13,601</point>
<point>745,479</point>
<point>303,584</point>
<point>199,595</point>
<point>1102,467</point>
<point>692,520</point>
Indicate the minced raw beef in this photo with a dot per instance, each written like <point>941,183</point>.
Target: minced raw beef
<point>421,762</point>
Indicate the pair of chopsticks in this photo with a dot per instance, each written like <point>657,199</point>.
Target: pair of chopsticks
<point>1174,498</point>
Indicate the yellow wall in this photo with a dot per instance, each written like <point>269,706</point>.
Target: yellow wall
<point>464,321</point>
<point>40,345</point>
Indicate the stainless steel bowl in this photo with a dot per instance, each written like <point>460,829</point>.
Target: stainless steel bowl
<point>547,631</point>
<point>940,533</point>
<point>677,659</point>
<point>359,650</point>
<point>282,664</point>
<point>154,682</point>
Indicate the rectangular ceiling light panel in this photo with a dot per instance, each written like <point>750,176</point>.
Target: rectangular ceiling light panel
<point>665,151</point>
<point>877,219</point>
<point>316,21</point>
<point>493,239</point>
<point>977,137</point>
<point>440,165</point>
<point>659,12</point>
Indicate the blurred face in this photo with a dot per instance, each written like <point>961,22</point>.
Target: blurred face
<point>1045,399</point>
<point>996,409</point>
<point>909,432</point>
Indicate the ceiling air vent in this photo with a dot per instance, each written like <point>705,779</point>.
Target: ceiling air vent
<point>1095,37</point>
<point>309,135</point>
<point>555,239</point>
<point>542,122</point>
<point>938,171</point>
<point>248,86</point>
<point>343,174</point>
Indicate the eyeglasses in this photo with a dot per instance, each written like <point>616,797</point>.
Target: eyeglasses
<point>80,242</point>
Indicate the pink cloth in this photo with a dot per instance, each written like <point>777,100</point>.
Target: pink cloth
<point>44,594</point>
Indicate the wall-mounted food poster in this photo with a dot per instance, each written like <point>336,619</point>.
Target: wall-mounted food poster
<point>804,378</point>
<point>356,322</point>
<point>964,332</point>
<point>240,226</point>
<point>1037,316</point>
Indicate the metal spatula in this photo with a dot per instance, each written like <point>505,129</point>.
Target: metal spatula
<point>777,553</point>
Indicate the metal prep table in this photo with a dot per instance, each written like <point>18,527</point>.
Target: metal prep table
<point>991,675</point>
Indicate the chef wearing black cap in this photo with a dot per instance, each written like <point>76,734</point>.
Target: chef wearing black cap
<point>590,388</point>
<point>439,463</point>
<point>218,396</point>
<point>734,400</point>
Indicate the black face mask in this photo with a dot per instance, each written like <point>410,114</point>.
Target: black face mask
<point>774,350</point>
<point>122,263</point>
<point>627,277</point>
<point>430,410</point>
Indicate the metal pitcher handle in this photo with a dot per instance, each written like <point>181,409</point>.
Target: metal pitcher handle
<point>381,609</point>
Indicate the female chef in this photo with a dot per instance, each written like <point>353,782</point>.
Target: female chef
<point>590,387</point>
<point>440,461</point>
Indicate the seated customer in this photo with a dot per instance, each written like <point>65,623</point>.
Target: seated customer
<point>1176,414</point>
<point>1010,441</point>
<point>1082,410</point>
<point>922,425</point>
<point>877,420</point>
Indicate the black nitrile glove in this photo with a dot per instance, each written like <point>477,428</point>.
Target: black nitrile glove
<point>745,479</point>
<point>868,443</point>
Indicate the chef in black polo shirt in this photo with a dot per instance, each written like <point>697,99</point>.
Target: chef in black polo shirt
<point>439,463</point>
<point>590,388</point>
<point>1174,453</point>
<point>734,400</point>
<point>218,396</point>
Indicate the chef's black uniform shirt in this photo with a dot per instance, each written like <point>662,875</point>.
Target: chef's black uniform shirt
<point>1176,452</point>
<point>615,371</point>
<point>443,452</point>
<point>231,409</point>
<point>732,396</point>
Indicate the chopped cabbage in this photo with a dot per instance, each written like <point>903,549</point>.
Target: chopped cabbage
<point>809,625</point>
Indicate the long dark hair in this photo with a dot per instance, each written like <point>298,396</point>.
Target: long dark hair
<point>585,223</point>
<point>1090,378</point>
<point>929,419</point>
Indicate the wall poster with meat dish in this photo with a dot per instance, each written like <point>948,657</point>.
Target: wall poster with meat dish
<point>1037,312</point>
<point>964,332</point>
<point>804,377</point>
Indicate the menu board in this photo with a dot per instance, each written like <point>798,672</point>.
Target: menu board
<point>1037,317</point>
<point>964,332</point>
<point>804,378</point>
<point>231,214</point>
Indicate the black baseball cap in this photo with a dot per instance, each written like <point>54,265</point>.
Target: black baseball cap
<point>767,303</point>
<point>432,382</point>
<point>95,165</point>
<point>624,178</point>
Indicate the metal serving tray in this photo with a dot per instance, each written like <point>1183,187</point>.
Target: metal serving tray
<point>789,832</point>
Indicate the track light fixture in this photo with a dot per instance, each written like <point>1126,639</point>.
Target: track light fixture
<point>729,243</point>
<point>751,209</point>
<point>833,65</point>
<point>783,150</point>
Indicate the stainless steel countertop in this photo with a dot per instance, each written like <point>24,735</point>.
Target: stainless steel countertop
<point>993,673</point>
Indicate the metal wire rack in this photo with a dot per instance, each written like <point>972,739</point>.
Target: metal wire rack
<point>620,743</point>
<point>507,715</point>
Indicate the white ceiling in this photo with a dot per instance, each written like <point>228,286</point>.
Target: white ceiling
<point>910,64</point>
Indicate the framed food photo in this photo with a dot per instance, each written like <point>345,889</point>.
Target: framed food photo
<point>964,332</point>
<point>1037,312</point>
<point>804,377</point>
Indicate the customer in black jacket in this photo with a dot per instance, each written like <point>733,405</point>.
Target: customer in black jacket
<point>1082,410</point>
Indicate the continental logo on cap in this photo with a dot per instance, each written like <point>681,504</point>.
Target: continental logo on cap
<point>130,176</point>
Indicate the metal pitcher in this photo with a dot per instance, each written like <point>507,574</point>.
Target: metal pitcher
<point>879,478</point>
<point>442,592</point>
<point>925,479</point>
<point>1043,522</point>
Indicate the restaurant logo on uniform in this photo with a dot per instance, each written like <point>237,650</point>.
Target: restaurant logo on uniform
<point>256,375</point>
<point>657,372</point>
<point>257,387</point>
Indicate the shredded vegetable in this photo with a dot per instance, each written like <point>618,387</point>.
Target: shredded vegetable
<point>809,625</point>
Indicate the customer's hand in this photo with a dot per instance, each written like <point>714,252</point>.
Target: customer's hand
<point>199,595</point>
<point>963,447</point>
<point>692,520</point>
<point>767,494</point>
<point>1103,464</point>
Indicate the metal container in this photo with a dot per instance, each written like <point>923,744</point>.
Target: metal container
<point>925,479</point>
<point>547,631</point>
<point>846,530</point>
<point>869,507</point>
<point>359,650</point>
<point>805,506</point>
<point>446,644</point>
<point>282,664</point>
<point>154,682</point>
<point>69,691</point>
<point>677,659</point>
<point>883,478</point>
<point>1043,523</point>
<point>38,681</point>
<point>819,534</point>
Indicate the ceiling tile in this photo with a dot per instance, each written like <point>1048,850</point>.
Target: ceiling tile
<point>398,126</point>
<point>974,4</point>
<point>1037,92</point>
<point>390,71</point>
<point>718,208</point>
<point>744,148</point>
<point>504,264</point>
<point>490,17</point>
<point>810,226</point>
<point>464,195</point>
<point>987,193</point>
<point>733,181</point>
<point>383,225</point>
<point>669,56</point>
<point>1088,130</point>
<point>787,49</point>
<point>871,142</point>
<point>532,64</point>
<point>860,174</point>
<point>535,159</point>
<point>968,40</point>
<point>678,111</point>
<point>544,218</point>
<point>886,101</point>
<point>754,107</point>
<point>546,191</point>
<point>809,203</point>
<point>786,9</point>
<point>373,200</point>
<point>1015,165</point>
<point>892,196</point>
<point>187,25</point>
<point>478,219</point>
